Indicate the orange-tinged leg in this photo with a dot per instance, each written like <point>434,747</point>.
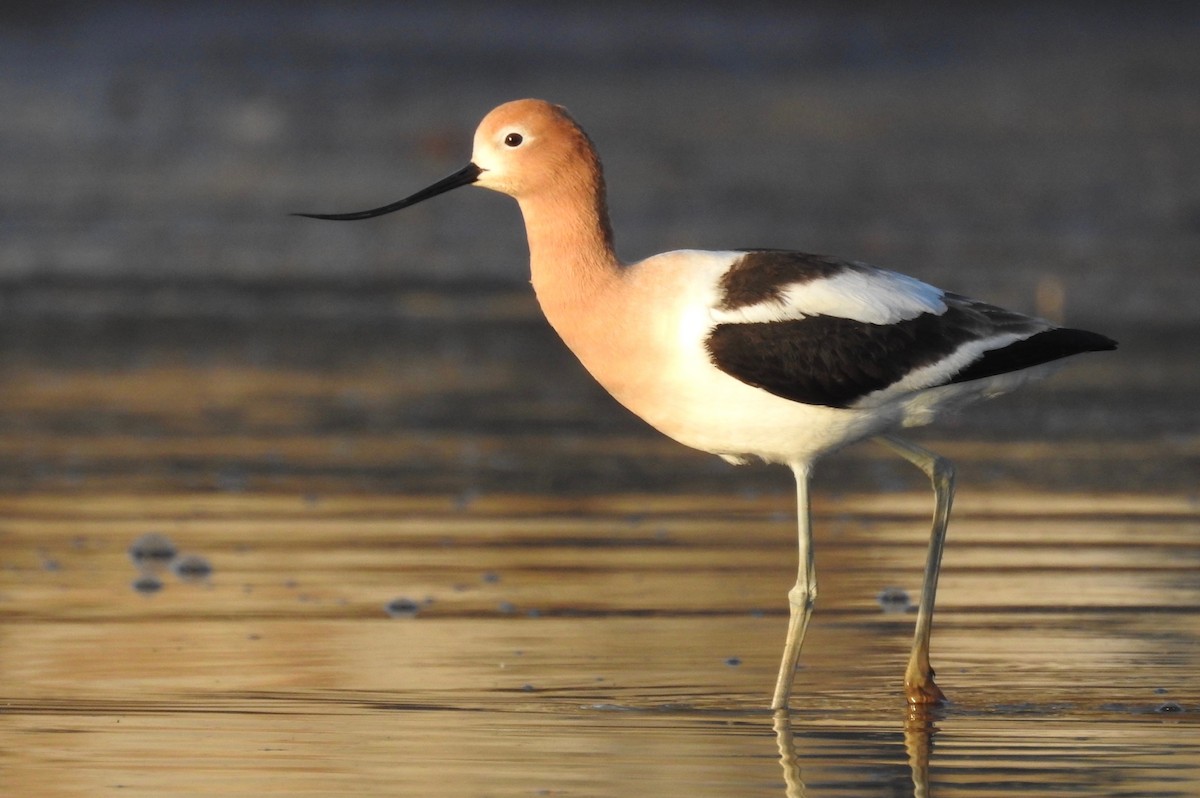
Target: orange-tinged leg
<point>918,677</point>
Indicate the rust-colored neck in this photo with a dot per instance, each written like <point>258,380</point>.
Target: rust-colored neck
<point>571,256</point>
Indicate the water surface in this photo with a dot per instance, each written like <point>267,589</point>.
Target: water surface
<point>570,647</point>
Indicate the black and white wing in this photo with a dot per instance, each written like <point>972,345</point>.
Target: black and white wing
<point>843,334</point>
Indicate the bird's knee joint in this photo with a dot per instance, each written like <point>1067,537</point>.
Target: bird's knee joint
<point>942,471</point>
<point>803,596</point>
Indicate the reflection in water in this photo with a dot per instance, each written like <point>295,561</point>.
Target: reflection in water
<point>787,754</point>
<point>918,742</point>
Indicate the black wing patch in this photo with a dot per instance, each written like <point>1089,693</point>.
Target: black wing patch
<point>827,360</point>
<point>832,361</point>
<point>761,275</point>
<point>1043,347</point>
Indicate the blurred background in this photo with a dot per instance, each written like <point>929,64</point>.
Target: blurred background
<point>353,425</point>
<point>167,325</point>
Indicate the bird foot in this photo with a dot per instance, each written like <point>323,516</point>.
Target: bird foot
<point>924,691</point>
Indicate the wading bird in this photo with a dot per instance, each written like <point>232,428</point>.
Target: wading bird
<point>777,355</point>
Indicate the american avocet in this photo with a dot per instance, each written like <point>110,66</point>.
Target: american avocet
<point>778,355</point>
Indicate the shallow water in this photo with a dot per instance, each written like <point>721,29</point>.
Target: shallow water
<point>571,648</point>
<point>444,563</point>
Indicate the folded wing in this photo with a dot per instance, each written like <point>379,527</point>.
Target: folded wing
<point>842,334</point>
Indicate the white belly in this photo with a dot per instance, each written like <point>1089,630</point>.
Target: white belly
<point>726,417</point>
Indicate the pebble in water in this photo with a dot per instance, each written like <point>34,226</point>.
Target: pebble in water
<point>894,599</point>
<point>152,548</point>
<point>147,584</point>
<point>402,608</point>
<point>191,568</point>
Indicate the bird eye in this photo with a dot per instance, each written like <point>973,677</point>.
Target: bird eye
<point>513,139</point>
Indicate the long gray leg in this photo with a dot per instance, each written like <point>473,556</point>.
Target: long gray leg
<point>802,596</point>
<point>918,677</point>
